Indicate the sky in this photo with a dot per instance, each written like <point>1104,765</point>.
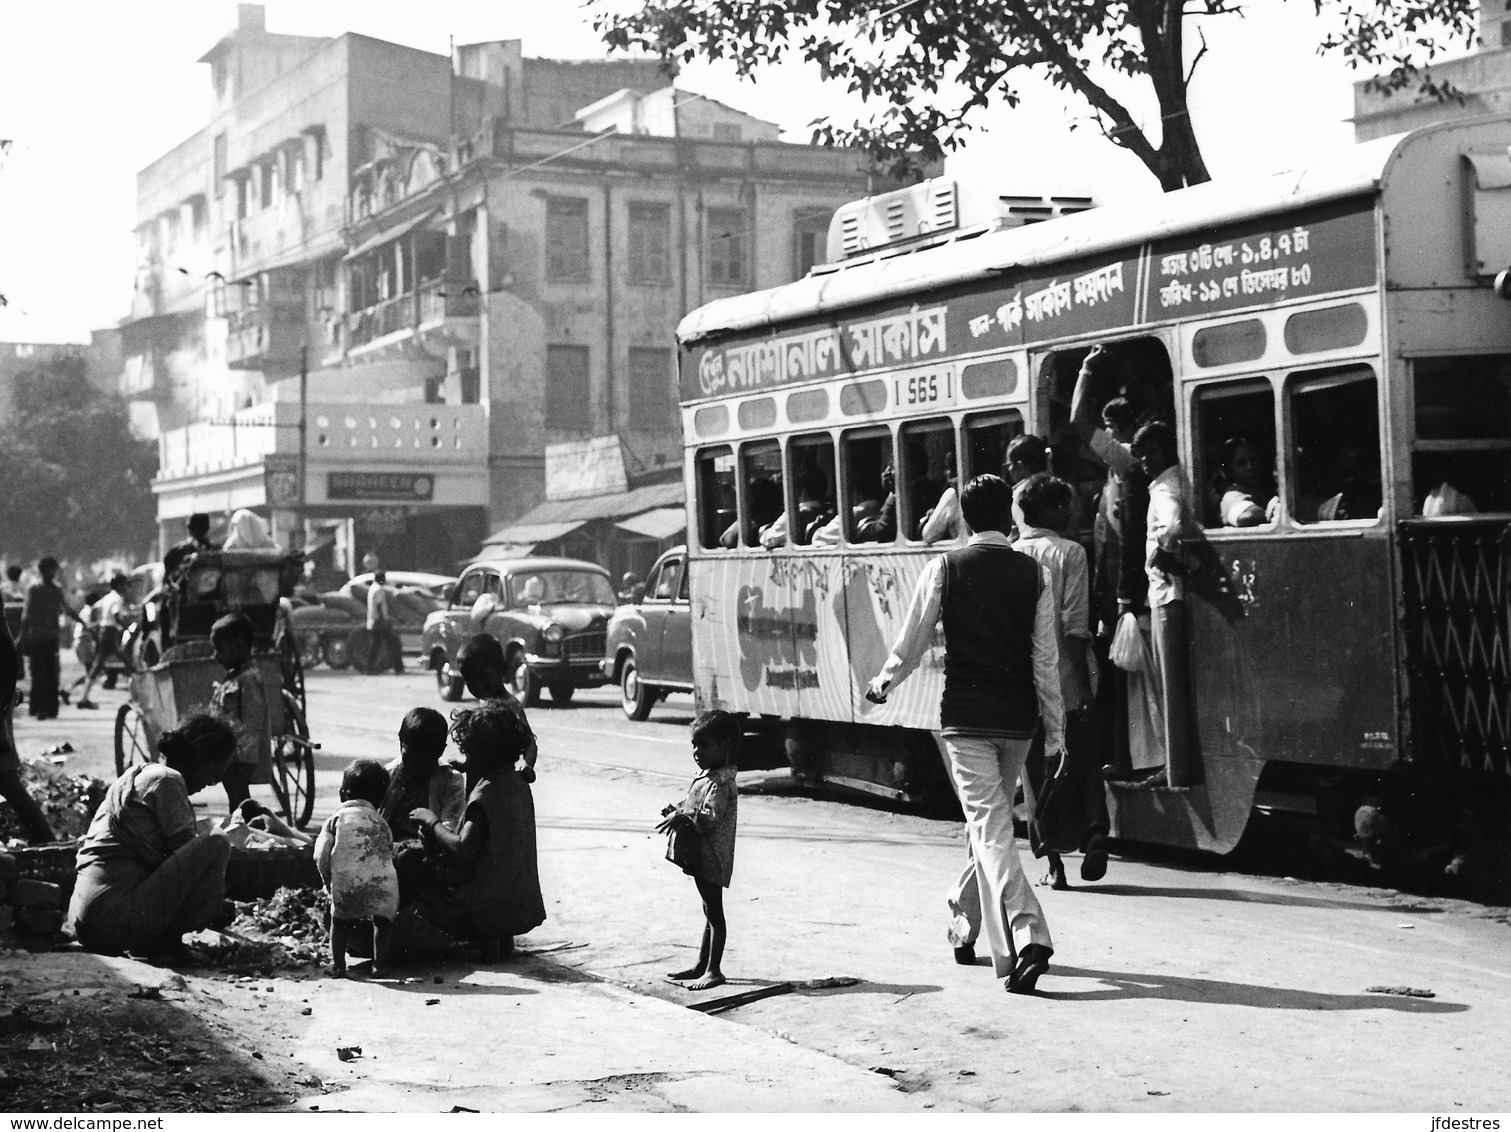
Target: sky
<point>91,92</point>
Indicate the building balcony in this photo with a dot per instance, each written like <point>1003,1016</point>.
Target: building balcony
<point>265,338</point>
<point>443,311</point>
<point>340,434</point>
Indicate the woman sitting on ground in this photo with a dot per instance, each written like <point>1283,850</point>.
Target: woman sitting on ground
<point>144,877</point>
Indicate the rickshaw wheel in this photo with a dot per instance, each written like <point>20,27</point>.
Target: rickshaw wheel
<point>132,746</point>
<point>294,766</point>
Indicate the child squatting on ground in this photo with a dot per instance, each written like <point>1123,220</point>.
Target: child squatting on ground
<point>701,840</point>
<point>355,856</point>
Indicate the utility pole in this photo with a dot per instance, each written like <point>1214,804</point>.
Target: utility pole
<point>304,431</point>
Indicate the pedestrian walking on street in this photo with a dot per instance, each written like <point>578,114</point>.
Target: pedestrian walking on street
<point>243,698</point>
<point>40,626</point>
<point>1001,682</point>
<point>382,639</point>
<point>110,621</point>
<point>1071,811</point>
<point>354,854</point>
<point>11,587</point>
<point>701,830</point>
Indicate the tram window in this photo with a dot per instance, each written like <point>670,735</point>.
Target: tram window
<point>1235,452</point>
<point>1228,344</point>
<point>761,472</point>
<point>998,378</point>
<point>712,420</point>
<point>986,441</point>
<point>870,484</point>
<point>927,468</point>
<point>1331,328</point>
<point>716,497</point>
<point>759,413</point>
<point>808,405</point>
<point>1335,429</point>
<point>813,481</point>
<point>1463,431</point>
<point>1465,398</point>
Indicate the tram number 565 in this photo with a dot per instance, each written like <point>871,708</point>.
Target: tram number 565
<point>922,388</point>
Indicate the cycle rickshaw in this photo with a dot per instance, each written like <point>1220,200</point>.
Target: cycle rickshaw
<point>210,585</point>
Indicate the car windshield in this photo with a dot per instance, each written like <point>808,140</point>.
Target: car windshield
<point>541,587</point>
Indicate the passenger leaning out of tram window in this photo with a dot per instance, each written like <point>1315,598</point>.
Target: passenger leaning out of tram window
<point>943,521</point>
<point>1244,487</point>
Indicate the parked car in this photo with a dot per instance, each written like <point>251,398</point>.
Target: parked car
<point>649,650</point>
<point>550,614</point>
<point>324,624</point>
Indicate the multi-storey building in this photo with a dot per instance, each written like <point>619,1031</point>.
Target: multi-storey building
<point>468,260</point>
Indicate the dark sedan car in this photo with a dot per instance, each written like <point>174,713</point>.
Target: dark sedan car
<point>650,644</point>
<point>550,615</point>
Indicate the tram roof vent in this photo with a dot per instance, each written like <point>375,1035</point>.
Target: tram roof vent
<point>931,210</point>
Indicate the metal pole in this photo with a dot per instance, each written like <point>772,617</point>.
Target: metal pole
<point>304,448</point>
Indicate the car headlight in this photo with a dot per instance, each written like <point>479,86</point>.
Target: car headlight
<point>553,633</point>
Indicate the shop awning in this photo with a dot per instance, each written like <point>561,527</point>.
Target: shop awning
<point>390,234</point>
<point>532,533</point>
<point>662,523</point>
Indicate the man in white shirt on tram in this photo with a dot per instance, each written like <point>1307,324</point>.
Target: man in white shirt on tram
<point>1001,679</point>
<point>1169,520</point>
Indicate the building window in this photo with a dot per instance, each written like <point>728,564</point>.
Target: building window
<point>319,149</point>
<point>220,160</point>
<point>650,243</point>
<point>265,184</point>
<point>568,391</point>
<point>650,387</point>
<point>726,247</point>
<point>567,240</point>
<point>810,239</point>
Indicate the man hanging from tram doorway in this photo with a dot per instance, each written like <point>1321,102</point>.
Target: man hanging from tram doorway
<point>1001,681</point>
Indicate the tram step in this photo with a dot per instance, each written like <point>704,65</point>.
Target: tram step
<point>1147,788</point>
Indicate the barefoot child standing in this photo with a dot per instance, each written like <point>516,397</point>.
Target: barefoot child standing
<point>706,817</point>
<point>355,856</point>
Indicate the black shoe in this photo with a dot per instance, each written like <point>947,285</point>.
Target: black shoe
<point>88,705</point>
<point>965,955</point>
<point>1094,861</point>
<point>1033,961</point>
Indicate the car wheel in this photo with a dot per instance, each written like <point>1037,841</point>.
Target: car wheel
<point>338,653</point>
<point>636,698</point>
<point>523,682</point>
<point>448,682</point>
<point>561,693</point>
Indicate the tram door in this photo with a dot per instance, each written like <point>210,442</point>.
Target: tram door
<point>1289,589</point>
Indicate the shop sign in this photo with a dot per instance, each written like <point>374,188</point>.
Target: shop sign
<point>380,485</point>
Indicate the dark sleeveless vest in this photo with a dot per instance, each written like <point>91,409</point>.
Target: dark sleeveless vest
<point>991,596</point>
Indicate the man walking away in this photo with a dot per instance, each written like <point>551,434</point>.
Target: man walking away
<point>381,634</point>
<point>1001,679</point>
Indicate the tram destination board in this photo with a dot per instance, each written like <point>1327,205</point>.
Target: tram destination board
<point>1301,254</point>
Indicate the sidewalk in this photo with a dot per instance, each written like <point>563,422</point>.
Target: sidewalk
<point>527,1036</point>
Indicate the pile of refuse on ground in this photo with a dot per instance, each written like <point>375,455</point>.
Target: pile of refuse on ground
<point>284,931</point>
<point>68,800</point>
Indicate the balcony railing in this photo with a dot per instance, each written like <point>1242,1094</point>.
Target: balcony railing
<point>437,301</point>
<point>269,333</point>
<point>445,298</point>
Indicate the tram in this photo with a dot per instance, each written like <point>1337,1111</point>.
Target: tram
<point>1343,319</point>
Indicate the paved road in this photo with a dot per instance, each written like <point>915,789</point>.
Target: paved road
<point>1172,990</point>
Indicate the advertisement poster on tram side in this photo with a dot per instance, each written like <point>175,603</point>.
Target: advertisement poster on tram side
<point>800,636</point>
